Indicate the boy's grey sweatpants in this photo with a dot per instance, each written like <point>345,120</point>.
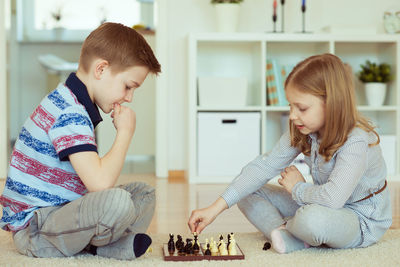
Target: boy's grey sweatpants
<point>271,206</point>
<point>97,218</point>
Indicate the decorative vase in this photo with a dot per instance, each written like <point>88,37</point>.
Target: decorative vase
<point>58,33</point>
<point>375,93</point>
<point>227,16</point>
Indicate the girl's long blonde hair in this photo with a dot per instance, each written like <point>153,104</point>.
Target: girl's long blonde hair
<point>326,76</point>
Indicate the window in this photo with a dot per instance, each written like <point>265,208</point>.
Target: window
<point>76,18</point>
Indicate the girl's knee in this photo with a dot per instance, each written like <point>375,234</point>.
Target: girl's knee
<point>309,218</point>
<point>308,224</point>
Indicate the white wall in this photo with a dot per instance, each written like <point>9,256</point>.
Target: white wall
<point>143,142</point>
<point>28,80</point>
<point>187,16</point>
<point>29,86</point>
<point>3,95</point>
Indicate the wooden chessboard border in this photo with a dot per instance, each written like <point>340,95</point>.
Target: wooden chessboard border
<point>200,256</point>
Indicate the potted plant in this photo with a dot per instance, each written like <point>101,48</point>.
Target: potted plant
<point>375,77</point>
<point>227,14</point>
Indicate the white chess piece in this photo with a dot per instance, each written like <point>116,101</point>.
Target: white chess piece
<point>214,249</point>
<point>205,244</point>
<point>222,248</point>
<point>232,247</point>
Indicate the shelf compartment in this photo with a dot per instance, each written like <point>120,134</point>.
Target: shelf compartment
<point>233,59</point>
<point>356,53</point>
<point>385,121</point>
<point>291,53</point>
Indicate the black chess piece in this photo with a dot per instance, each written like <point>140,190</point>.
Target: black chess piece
<point>208,251</point>
<point>181,251</point>
<point>229,241</point>
<point>171,243</point>
<point>179,243</point>
<point>267,246</point>
<point>188,245</point>
<point>196,247</point>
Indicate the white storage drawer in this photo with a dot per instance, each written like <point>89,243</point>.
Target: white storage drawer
<point>227,141</point>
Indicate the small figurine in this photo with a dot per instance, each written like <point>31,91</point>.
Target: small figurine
<point>221,238</point>
<point>207,251</point>
<point>222,248</point>
<point>205,244</point>
<point>188,245</point>
<point>267,246</point>
<point>232,247</point>
<point>171,244</point>
<point>196,246</point>
<point>212,242</point>
<point>214,249</point>
<point>179,243</point>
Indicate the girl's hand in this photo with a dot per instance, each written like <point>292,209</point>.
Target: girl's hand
<point>290,177</point>
<point>200,218</point>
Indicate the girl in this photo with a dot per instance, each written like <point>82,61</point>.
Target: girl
<point>347,205</point>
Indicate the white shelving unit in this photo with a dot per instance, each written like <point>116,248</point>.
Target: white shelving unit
<point>245,54</point>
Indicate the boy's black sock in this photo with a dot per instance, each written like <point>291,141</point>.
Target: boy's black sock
<point>128,247</point>
<point>140,244</point>
<point>92,250</point>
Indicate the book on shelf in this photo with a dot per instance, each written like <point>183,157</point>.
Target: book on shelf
<point>276,76</point>
<point>272,93</point>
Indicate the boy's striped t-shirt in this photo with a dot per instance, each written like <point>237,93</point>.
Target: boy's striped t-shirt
<point>40,174</point>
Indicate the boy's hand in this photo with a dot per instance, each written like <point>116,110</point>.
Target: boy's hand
<point>200,218</point>
<point>290,177</point>
<point>124,118</point>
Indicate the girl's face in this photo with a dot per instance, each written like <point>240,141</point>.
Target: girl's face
<point>307,111</point>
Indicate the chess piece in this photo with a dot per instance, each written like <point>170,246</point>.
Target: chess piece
<point>212,242</point>
<point>267,246</point>
<point>181,251</point>
<point>171,243</point>
<point>214,249</point>
<point>221,238</point>
<point>179,243</point>
<point>232,247</point>
<point>205,244</point>
<point>196,247</point>
<point>188,245</point>
<point>222,248</point>
<point>207,251</point>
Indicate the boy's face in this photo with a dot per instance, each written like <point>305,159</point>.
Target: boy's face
<point>117,87</point>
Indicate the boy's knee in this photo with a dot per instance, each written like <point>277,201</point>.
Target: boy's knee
<point>118,202</point>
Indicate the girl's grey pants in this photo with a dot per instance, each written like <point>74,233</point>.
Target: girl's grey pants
<point>97,218</point>
<point>272,206</point>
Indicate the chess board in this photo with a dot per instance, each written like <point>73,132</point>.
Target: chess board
<point>199,256</point>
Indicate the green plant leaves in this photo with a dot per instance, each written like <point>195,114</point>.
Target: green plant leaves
<point>372,72</point>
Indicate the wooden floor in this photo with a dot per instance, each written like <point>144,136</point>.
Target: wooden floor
<point>176,199</point>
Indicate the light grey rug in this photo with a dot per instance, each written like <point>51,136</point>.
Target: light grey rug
<point>384,253</point>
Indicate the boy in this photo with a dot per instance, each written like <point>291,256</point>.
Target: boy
<point>59,197</point>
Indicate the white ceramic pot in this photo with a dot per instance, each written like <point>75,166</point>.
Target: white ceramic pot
<point>58,33</point>
<point>375,93</point>
<point>227,17</point>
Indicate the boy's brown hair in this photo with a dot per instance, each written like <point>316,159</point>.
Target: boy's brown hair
<point>121,46</point>
<point>327,77</point>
